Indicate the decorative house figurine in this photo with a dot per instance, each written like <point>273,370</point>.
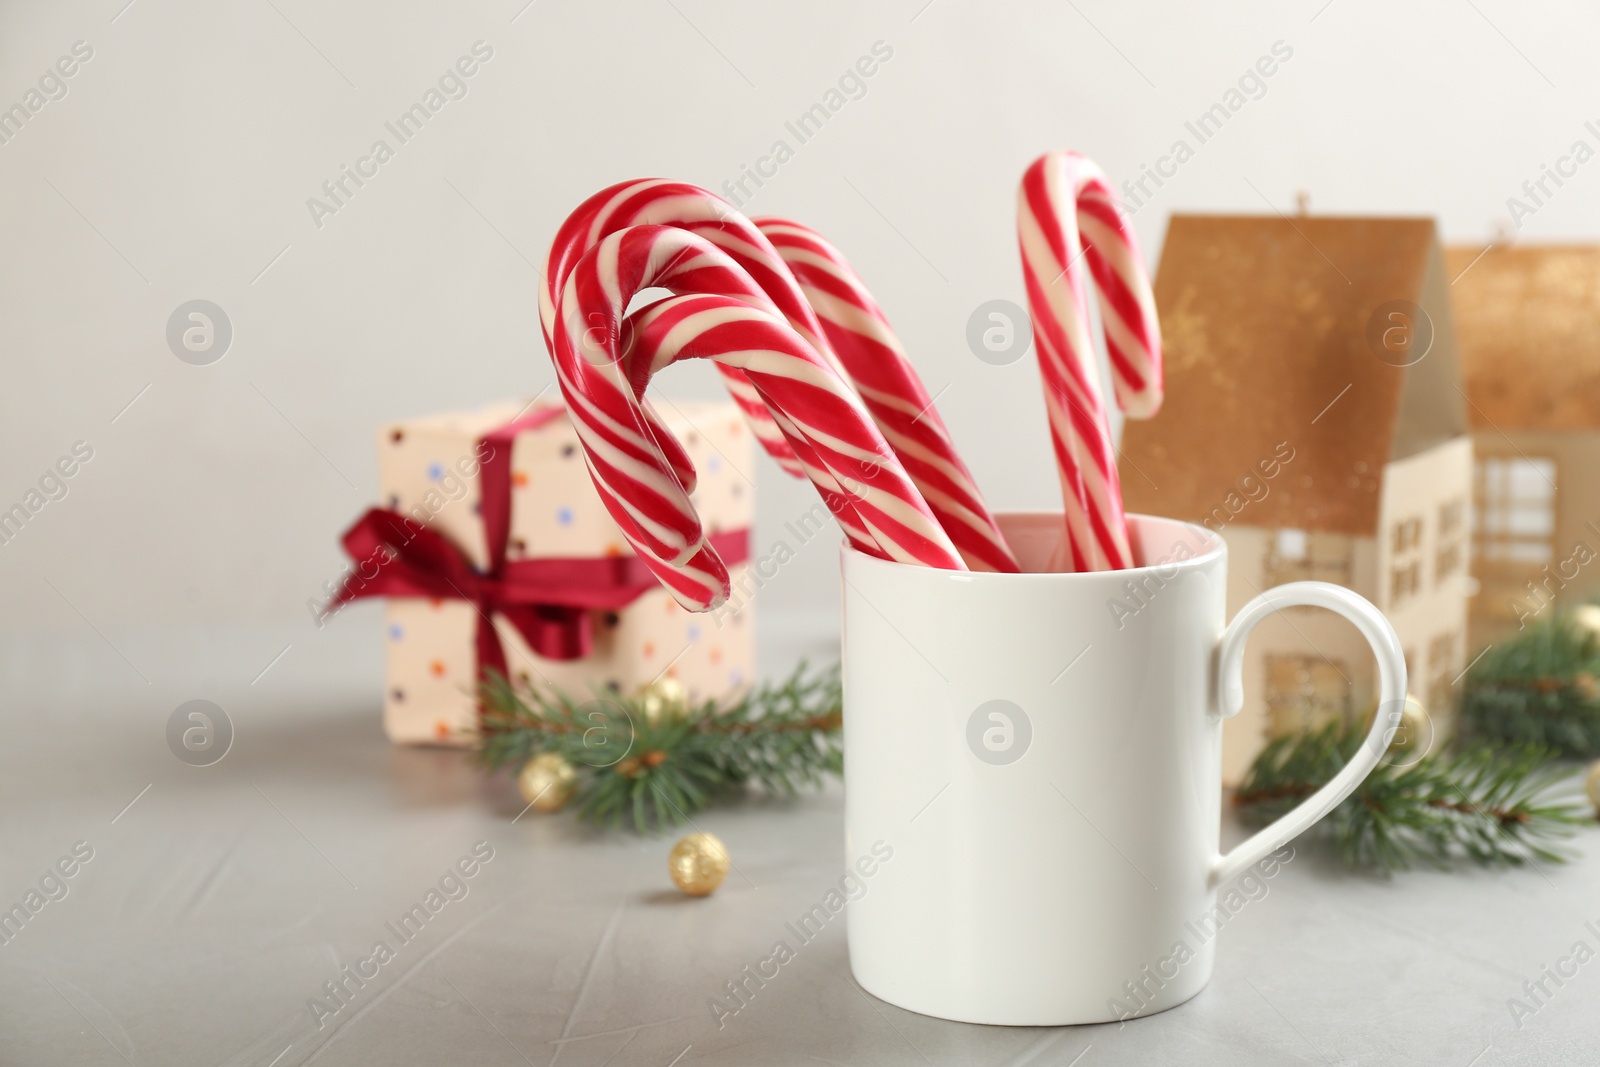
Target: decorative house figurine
<point>1314,419</point>
<point>1528,319</point>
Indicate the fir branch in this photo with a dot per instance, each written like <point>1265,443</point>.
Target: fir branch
<point>1539,687</point>
<point>781,737</point>
<point>1499,806</point>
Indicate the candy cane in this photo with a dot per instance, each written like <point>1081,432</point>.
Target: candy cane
<point>809,400</point>
<point>878,368</point>
<point>717,275</point>
<point>873,362</point>
<point>728,278</point>
<point>1060,192</point>
<point>653,201</point>
<point>603,371</point>
<point>658,202</point>
<point>1127,303</point>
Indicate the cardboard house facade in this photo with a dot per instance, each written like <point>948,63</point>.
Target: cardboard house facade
<point>1528,320</point>
<point>1313,418</point>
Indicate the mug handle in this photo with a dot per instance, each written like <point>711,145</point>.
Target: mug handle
<point>1230,700</point>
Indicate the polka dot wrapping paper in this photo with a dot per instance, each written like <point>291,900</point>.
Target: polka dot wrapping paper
<point>428,471</point>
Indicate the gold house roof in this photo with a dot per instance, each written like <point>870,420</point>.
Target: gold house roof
<point>1528,319</point>
<point>1265,322</point>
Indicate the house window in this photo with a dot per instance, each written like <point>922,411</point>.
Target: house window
<point>1299,555</point>
<point>1405,564</point>
<point>1407,536</point>
<point>1515,517</point>
<point>1405,582</point>
<point>1447,561</point>
<point>1451,556</point>
<point>1305,692</point>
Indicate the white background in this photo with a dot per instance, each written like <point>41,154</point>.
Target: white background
<point>179,164</point>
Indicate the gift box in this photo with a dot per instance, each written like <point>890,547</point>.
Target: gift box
<point>495,552</point>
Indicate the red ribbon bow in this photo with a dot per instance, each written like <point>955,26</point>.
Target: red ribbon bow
<point>549,601</point>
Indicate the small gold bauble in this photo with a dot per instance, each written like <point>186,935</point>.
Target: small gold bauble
<point>1587,617</point>
<point>665,700</point>
<point>547,781</point>
<point>1412,736</point>
<point>1587,685</point>
<point>698,864</point>
<point>1591,786</point>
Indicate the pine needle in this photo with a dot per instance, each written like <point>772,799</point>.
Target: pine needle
<point>1539,687</point>
<point>781,737</point>
<point>1497,806</point>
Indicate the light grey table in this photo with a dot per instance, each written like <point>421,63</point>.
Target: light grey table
<point>220,900</point>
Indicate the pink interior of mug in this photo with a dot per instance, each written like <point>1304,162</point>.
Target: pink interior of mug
<point>1034,535</point>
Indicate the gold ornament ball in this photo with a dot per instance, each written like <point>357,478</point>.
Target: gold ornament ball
<point>1415,735</point>
<point>1591,785</point>
<point>1412,736</point>
<point>665,699</point>
<point>1587,617</point>
<point>698,864</point>
<point>547,781</point>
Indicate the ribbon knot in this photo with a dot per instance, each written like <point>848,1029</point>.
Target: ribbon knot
<point>549,601</point>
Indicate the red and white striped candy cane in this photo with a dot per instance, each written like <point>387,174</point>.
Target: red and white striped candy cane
<point>1061,193</point>
<point>574,238</point>
<point>728,277</point>
<point>878,367</point>
<point>810,401</point>
<point>864,349</point>
<point>603,367</point>
<point>657,202</point>
<point>1127,303</point>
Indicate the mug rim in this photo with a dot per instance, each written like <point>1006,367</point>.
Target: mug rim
<point>1218,549</point>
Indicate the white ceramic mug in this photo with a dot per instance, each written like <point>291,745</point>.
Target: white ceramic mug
<point>1046,768</point>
